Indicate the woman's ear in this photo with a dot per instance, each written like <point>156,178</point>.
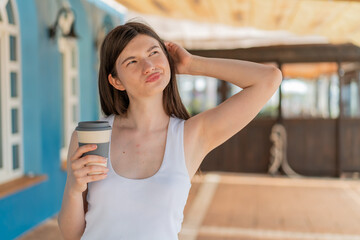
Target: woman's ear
<point>116,83</point>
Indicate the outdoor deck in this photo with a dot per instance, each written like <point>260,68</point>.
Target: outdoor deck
<point>229,206</point>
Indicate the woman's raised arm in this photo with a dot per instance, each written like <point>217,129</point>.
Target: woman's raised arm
<point>213,127</point>
<point>259,82</point>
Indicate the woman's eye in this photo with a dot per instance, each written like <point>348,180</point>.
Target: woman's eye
<point>154,52</point>
<point>133,61</point>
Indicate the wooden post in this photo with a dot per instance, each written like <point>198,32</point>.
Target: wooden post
<point>223,90</point>
<point>280,116</point>
<point>338,122</point>
<point>329,99</point>
<point>357,74</point>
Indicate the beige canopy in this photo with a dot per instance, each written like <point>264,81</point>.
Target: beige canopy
<point>337,21</point>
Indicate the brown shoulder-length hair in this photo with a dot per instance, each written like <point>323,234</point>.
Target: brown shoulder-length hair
<point>114,101</point>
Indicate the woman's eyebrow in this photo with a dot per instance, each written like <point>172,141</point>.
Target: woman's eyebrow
<point>151,48</point>
<point>132,57</point>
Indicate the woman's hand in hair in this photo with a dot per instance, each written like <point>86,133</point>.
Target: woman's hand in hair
<point>181,57</point>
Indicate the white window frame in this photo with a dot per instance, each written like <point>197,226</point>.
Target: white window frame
<point>7,173</point>
<point>68,47</point>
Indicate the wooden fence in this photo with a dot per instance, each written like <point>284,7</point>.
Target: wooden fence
<point>315,147</point>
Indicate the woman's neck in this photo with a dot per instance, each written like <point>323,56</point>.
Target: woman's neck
<point>145,116</point>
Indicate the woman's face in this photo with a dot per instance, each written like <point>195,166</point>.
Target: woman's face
<point>142,67</point>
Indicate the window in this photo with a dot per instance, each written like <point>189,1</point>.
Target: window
<point>310,90</point>
<point>70,91</point>
<point>270,109</point>
<point>11,132</point>
<point>350,94</point>
<point>198,93</point>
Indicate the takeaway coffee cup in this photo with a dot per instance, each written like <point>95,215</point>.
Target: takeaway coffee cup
<point>95,132</point>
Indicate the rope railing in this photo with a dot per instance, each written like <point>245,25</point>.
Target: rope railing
<point>278,152</point>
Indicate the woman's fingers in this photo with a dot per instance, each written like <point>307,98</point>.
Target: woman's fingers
<point>81,162</point>
<point>83,149</point>
<point>171,47</point>
<point>85,171</point>
<point>93,178</point>
<point>181,57</point>
<point>82,181</point>
<point>167,43</point>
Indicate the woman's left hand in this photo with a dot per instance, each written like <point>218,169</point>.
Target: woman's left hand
<point>181,57</point>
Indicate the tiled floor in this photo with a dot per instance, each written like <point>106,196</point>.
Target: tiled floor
<point>237,206</point>
<point>47,231</point>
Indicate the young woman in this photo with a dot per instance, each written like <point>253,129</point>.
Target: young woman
<point>156,147</point>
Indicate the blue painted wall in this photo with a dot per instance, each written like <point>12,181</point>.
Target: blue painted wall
<point>42,108</point>
<point>87,60</point>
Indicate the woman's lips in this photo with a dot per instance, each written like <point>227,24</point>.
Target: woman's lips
<point>153,77</point>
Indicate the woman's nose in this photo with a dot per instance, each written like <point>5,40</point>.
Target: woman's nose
<point>148,66</point>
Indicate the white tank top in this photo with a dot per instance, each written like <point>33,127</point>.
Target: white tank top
<point>141,209</point>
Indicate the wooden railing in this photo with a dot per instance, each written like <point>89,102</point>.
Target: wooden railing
<point>312,148</point>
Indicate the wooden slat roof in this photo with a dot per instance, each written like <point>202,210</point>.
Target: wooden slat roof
<point>338,21</point>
